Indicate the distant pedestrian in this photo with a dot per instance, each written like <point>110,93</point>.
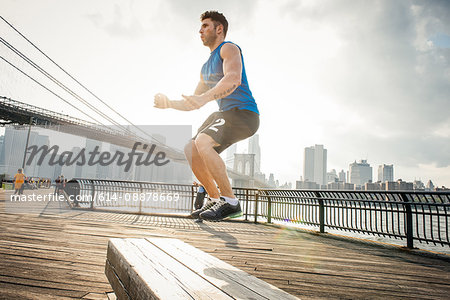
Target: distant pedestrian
<point>57,185</point>
<point>63,182</point>
<point>19,181</point>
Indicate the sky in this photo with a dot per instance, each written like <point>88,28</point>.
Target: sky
<point>366,79</point>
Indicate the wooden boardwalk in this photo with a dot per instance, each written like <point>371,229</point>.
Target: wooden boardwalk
<point>57,253</point>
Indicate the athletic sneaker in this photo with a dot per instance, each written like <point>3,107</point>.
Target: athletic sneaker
<point>209,203</point>
<point>222,210</point>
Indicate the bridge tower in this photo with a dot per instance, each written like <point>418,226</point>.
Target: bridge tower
<point>244,164</point>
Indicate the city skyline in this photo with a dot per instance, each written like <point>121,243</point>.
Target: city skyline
<point>363,169</point>
<point>368,80</point>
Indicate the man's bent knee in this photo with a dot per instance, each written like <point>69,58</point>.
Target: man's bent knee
<point>204,142</point>
<point>190,151</point>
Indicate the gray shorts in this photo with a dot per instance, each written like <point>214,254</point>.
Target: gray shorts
<point>229,127</point>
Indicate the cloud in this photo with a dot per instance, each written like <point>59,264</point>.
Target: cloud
<point>121,22</point>
<point>135,19</point>
<point>410,149</point>
<point>387,73</point>
<point>237,12</point>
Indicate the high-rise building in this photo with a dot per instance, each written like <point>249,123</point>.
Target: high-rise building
<point>14,148</point>
<point>418,185</point>
<point>271,181</point>
<point>340,186</point>
<point>117,172</point>
<point>45,168</point>
<point>372,186</point>
<point>342,176</point>
<point>308,165</point>
<point>37,163</point>
<point>315,164</point>
<point>360,173</point>
<point>306,185</point>
<point>88,171</point>
<point>2,154</point>
<point>332,176</point>
<point>398,185</point>
<point>74,170</point>
<point>385,173</point>
<point>254,148</point>
<point>429,186</point>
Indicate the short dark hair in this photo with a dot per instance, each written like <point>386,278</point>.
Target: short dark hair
<point>217,18</point>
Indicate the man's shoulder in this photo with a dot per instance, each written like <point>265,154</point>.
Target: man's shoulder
<point>229,48</point>
<point>230,45</point>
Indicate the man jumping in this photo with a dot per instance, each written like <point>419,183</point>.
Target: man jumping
<point>222,79</point>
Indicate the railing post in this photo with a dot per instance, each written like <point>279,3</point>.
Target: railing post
<point>192,198</point>
<point>409,222</point>
<point>269,209</point>
<point>140,200</point>
<point>93,195</point>
<point>321,213</point>
<point>256,206</point>
<point>246,204</point>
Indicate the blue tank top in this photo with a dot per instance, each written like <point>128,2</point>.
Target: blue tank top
<point>212,73</point>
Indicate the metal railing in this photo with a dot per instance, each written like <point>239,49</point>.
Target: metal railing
<point>413,216</point>
<point>406,215</point>
<point>130,196</point>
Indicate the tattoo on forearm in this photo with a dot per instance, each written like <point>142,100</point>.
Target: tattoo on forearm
<point>224,93</point>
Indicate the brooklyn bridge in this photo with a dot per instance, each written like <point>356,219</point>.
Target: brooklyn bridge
<point>13,112</point>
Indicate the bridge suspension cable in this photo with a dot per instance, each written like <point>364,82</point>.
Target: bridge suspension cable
<point>46,88</point>
<point>83,86</point>
<point>49,76</point>
<point>66,101</point>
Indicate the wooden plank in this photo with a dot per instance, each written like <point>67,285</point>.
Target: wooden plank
<point>65,289</point>
<point>146,271</point>
<point>288,264</point>
<point>47,268</point>
<point>195,285</point>
<point>55,277</point>
<point>116,284</point>
<point>235,282</point>
<point>14,291</point>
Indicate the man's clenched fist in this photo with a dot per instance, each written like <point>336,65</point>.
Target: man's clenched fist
<point>161,101</point>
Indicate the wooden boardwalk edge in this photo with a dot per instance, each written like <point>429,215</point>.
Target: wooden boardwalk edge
<point>61,254</point>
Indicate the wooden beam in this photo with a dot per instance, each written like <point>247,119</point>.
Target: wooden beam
<point>165,268</point>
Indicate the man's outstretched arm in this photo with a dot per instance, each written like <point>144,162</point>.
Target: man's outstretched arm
<point>162,101</point>
<point>232,70</point>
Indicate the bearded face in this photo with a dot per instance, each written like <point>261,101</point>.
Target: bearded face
<point>209,32</point>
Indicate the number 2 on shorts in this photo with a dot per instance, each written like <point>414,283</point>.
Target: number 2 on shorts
<point>218,123</point>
